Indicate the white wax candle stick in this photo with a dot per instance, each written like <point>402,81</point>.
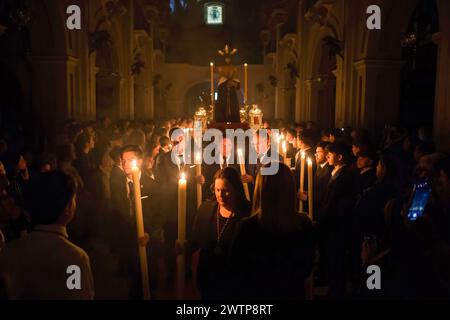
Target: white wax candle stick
<point>140,232</point>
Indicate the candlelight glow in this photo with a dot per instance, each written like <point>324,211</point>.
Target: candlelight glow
<point>309,162</point>
<point>246,65</point>
<point>284,147</point>
<point>134,165</point>
<point>303,155</point>
<point>212,64</point>
<point>198,158</point>
<point>183,177</point>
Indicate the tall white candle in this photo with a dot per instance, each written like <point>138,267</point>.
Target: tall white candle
<point>310,189</point>
<point>243,172</point>
<point>140,231</point>
<point>198,161</point>
<point>182,186</point>
<point>302,178</point>
<point>211,65</point>
<point>246,83</point>
<point>180,259</point>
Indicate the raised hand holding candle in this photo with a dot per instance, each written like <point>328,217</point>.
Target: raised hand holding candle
<point>140,231</point>
<point>243,172</point>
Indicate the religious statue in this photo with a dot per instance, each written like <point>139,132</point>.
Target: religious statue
<point>227,106</point>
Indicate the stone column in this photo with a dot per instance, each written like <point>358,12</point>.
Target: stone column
<point>377,93</point>
<point>313,86</point>
<point>53,89</point>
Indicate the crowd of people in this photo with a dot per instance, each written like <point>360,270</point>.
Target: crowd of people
<point>72,205</point>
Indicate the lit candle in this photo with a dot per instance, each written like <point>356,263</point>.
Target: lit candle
<point>198,160</point>
<point>180,259</point>
<point>243,172</point>
<point>182,186</point>
<point>302,179</point>
<point>140,231</point>
<point>310,189</point>
<point>287,161</point>
<point>246,83</point>
<point>211,65</point>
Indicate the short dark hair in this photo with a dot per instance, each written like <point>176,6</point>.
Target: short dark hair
<point>171,131</point>
<point>115,153</point>
<point>307,137</point>
<point>48,195</point>
<point>163,141</point>
<point>132,148</point>
<point>370,154</point>
<point>342,149</point>
<point>323,145</point>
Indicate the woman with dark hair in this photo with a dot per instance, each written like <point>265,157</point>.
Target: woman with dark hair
<point>213,231</point>
<point>273,252</point>
<point>369,212</point>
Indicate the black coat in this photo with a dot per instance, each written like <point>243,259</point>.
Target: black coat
<point>214,276</point>
<point>321,179</point>
<point>272,265</point>
<point>167,175</point>
<point>124,207</point>
<point>338,200</point>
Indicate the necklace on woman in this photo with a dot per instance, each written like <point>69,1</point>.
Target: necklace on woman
<point>218,250</point>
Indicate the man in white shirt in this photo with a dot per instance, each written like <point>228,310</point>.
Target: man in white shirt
<point>45,265</point>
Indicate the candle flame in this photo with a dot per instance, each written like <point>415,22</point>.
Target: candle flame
<point>198,157</point>
<point>183,176</point>
<point>240,152</point>
<point>134,164</point>
<point>309,162</point>
<point>303,155</point>
<point>246,65</point>
<point>212,64</point>
<point>284,147</point>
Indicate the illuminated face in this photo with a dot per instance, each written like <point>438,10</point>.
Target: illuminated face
<point>355,150</point>
<point>226,147</point>
<point>320,155</point>
<point>224,192</point>
<point>261,145</point>
<point>363,162</point>
<point>128,159</point>
<point>332,158</point>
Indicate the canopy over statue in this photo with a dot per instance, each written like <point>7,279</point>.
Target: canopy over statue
<point>227,106</point>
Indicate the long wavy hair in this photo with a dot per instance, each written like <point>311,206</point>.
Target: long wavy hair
<point>274,201</point>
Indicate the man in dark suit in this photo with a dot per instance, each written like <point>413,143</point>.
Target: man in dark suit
<point>227,158</point>
<point>168,169</point>
<point>265,154</point>
<point>122,191</point>
<point>335,217</point>
<point>367,175</point>
<point>321,179</point>
<point>322,176</point>
<point>306,143</point>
